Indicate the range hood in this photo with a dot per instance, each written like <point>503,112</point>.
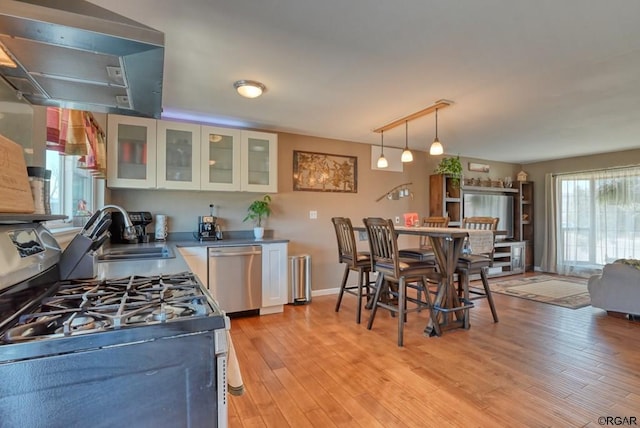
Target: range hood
<point>74,54</point>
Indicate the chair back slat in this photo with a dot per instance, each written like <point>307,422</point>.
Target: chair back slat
<point>347,250</point>
<point>432,222</point>
<point>482,223</point>
<point>435,221</point>
<point>383,245</point>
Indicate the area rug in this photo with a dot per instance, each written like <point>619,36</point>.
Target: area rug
<point>565,291</point>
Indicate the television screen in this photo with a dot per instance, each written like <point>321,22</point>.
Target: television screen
<point>490,205</point>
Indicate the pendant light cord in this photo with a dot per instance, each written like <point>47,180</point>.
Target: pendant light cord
<point>436,124</point>
<point>406,135</point>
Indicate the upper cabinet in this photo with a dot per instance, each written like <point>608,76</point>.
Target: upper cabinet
<point>131,152</point>
<point>220,160</point>
<point>259,162</point>
<point>148,153</point>
<point>178,155</point>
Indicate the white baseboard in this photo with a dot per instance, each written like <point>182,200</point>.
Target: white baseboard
<point>324,292</point>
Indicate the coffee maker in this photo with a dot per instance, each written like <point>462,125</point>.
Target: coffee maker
<point>140,221</point>
<point>208,229</point>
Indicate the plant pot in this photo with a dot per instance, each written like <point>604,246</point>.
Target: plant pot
<point>258,232</point>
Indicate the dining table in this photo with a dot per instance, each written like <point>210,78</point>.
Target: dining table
<point>452,310</point>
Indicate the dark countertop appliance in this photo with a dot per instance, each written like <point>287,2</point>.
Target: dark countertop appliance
<point>139,219</point>
<point>132,351</point>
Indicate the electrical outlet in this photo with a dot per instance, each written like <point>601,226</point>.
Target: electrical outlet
<point>313,215</point>
<point>397,219</point>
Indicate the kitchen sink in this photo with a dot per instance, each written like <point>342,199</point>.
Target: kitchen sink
<point>126,254</point>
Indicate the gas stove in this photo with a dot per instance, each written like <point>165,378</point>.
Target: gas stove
<point>88,306</point>
<point>141,350</point>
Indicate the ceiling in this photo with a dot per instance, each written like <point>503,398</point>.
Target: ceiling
<point>529,80</point>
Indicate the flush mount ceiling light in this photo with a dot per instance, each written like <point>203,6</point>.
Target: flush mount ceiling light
<point>440,104</point>
<point>249,88</point>
<point>407,156</point>
<point>436,148</point>
<point>382,161</point>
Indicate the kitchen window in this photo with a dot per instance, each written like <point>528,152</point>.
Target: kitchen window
<point>76,156</point>
<point>74,192</point>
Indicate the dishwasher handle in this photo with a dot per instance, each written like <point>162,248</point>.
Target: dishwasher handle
<point>233,251</point>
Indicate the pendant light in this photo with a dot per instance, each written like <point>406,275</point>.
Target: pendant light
<point>436,148</point>
<point>382,161</point>
<point>407,156</point>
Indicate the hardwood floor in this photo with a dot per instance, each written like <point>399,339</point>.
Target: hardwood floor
<point>540,366</point>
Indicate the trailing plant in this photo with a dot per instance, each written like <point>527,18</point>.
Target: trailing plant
<point>258,210</point>
<point>452,168</point>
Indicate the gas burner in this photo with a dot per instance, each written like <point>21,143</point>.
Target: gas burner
<point>85,306</point>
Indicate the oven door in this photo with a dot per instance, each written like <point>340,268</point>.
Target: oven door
<point>172,381</point>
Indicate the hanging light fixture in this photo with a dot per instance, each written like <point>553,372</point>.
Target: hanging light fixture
<point>407,156</point>
<point>382,161</point>
<point>249,88</point>
<point>436,148</point>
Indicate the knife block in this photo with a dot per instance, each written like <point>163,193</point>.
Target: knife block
<point>77,261</point>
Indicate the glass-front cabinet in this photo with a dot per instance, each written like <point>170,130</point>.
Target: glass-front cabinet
<point>147,153</point>
<point>178,155</point>
<point>131,152</point>
<point>220,160</point>
<point>259,162</point>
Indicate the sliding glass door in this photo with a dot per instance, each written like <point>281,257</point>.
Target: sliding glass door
<point>598,218</point>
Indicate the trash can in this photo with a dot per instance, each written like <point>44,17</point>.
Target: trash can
<point>300,279</point>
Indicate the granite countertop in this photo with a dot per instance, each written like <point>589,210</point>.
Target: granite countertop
<point>176,264</point>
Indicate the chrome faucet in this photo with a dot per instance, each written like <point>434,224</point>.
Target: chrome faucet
<point>130,232</point>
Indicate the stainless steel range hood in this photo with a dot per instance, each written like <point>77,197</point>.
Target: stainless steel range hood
<point>74,54</point>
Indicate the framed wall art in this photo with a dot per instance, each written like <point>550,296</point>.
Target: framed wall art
<point>478,167</point>
<point>324,172</point>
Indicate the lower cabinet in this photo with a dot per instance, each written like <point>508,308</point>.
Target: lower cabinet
<point>274,273</point>
<point>274,277</point>
<point>508,258</point>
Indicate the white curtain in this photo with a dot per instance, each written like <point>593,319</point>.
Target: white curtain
<point>549,262</point>
<point>597,219</point>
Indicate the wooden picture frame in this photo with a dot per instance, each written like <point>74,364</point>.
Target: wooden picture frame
<point>478,167</point>
<point>324,172</point>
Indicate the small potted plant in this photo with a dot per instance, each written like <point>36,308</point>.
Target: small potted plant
<point>259,209</point>
<point>452,168</point>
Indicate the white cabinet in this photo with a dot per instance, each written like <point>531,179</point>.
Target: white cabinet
<point>259,162</point>
<point>239,160</point>
<point>220,158</point>
<point>131,152</point>
<point>274,277</point>
<point>178,163</point>
<point>146,153</point>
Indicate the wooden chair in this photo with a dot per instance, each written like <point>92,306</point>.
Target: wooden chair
<point>354,260</point>
<point>472,264</point>
<point>392,269</point>
<point>424,252</point>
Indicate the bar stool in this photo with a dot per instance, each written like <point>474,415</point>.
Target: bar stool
<point>391,268</point>
<point>472,264</point>
<point>425,252</point>
<point>354,260</point>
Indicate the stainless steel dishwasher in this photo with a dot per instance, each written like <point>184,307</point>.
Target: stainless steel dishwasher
<point>234,277</point>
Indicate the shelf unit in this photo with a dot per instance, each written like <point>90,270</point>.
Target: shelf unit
<point>445,199</point>
<point>508,258</point>
<point>524,220</point>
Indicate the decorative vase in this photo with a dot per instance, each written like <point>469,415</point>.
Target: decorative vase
<point>258,232</point>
